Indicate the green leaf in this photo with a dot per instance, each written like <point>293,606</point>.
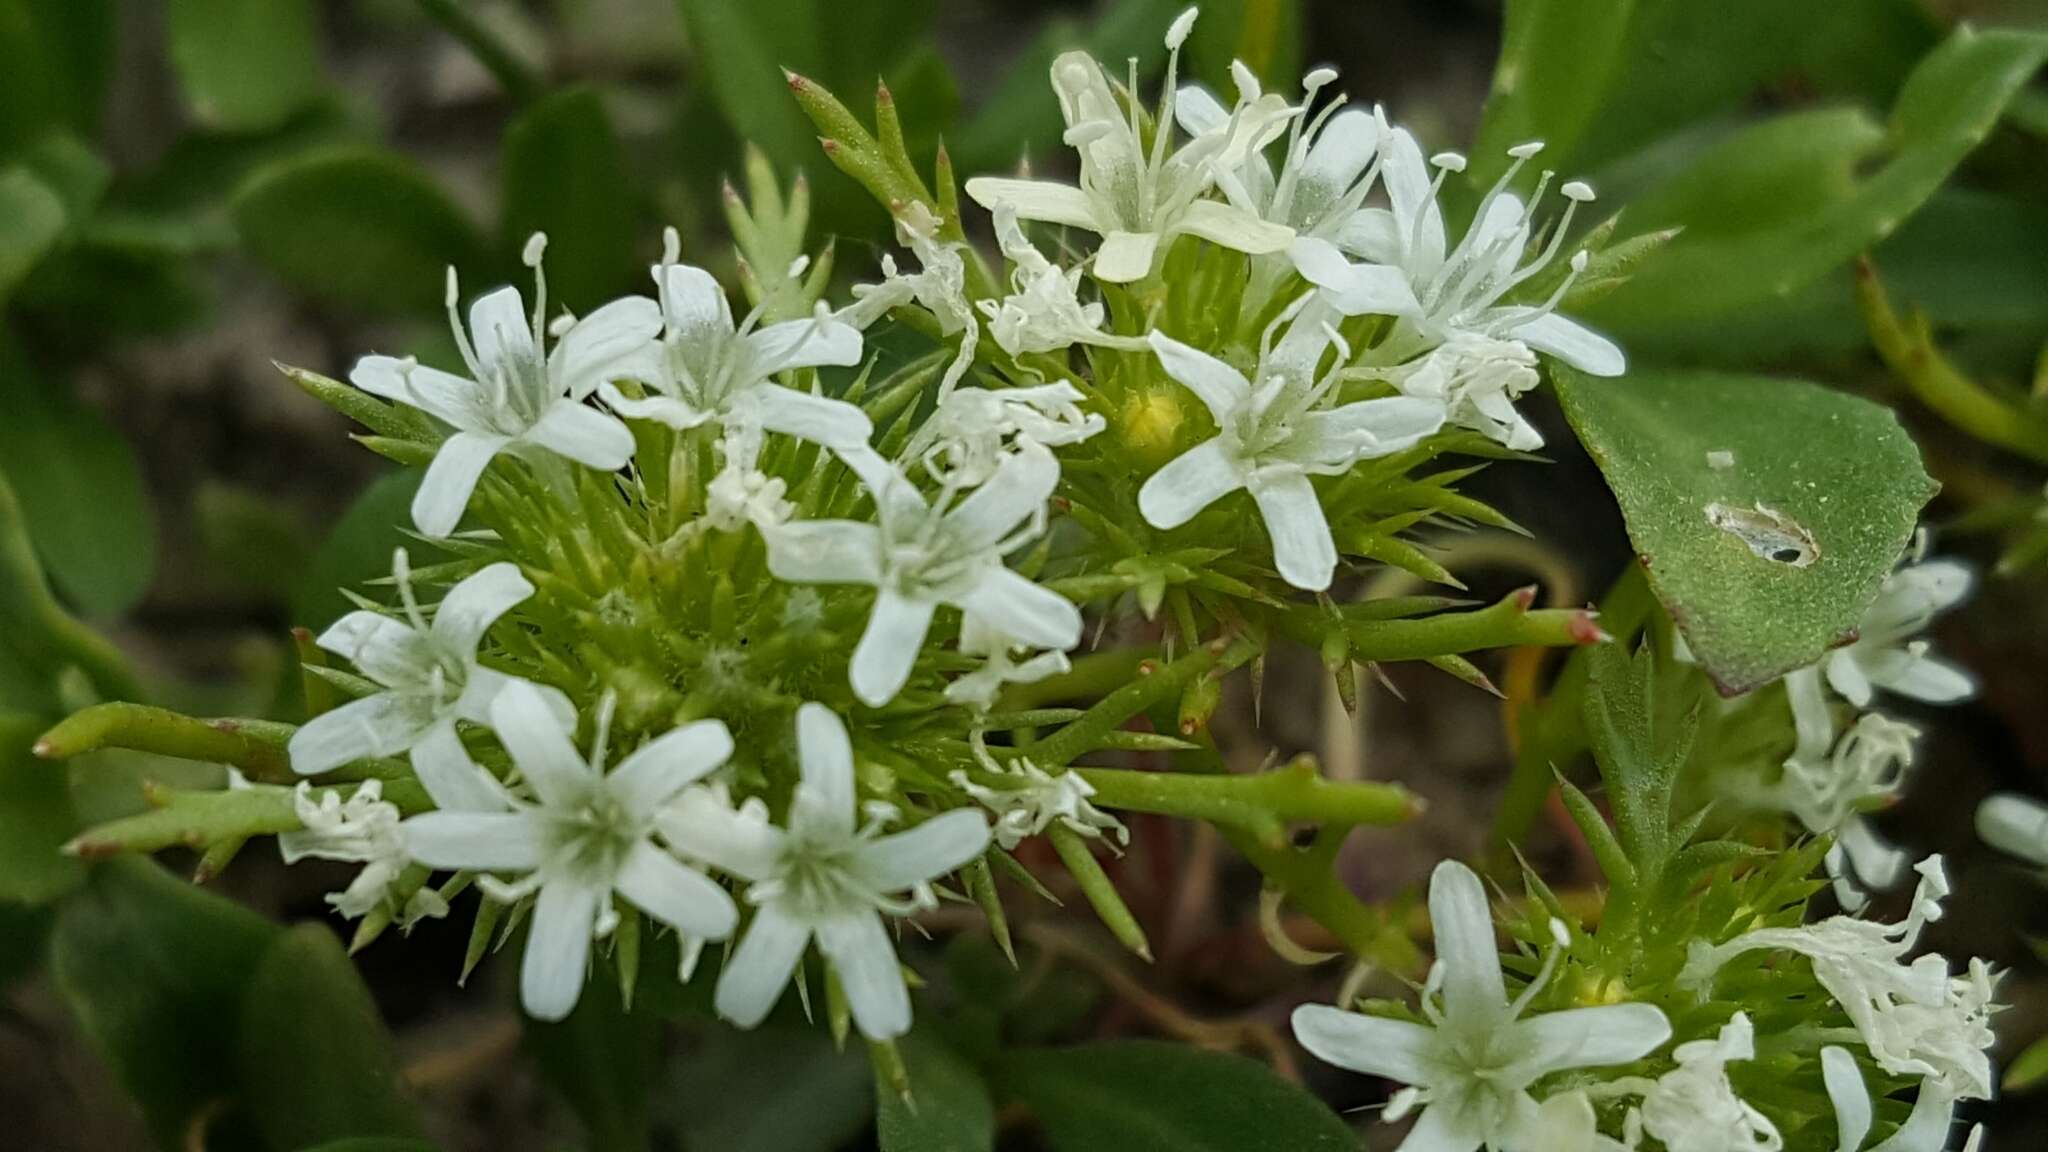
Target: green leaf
<point>357,550</point>
<point>1756,591</point>
<point>2029,1068</point>
<point>153,969</point>
<point>42,647</point>
<point>245,65</point>
<point>57,55</point>
<point>1147,1096</point>
<point>36,818</point>
<point>778,1088</point>
<point>603,1060</point>
<point>1946,107</point>
<point>565,175</point>
<point>316,1062</point>
<point>948,1110</point>
<point>374,1144</point>
<point>742,47</point>
<point>1557,58</point>
<point>24,930</point>
<point>80,490</point>
<point>31,219</point>
<point>364,229</point>
<point>1640,750</point>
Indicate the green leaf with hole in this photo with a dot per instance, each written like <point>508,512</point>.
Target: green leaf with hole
<point>565,175</point>
<point>1766,511</point>
<point>1147,1096</point>
<point>364,229</point>
<point>1949,103</point>
<point>245,65</point>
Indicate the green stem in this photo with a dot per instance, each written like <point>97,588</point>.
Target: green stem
<point>36,620</point>
<point>1255,802</point>
<point>520,82</point>
<point>1146,689</point>
<point>258,748</point>
<point>200,820</point>
<point>1509,623</point>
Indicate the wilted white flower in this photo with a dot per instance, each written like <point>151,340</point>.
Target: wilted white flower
<point>978,689</point>
<point>519,395</point>
<point>362,829</point>
<point>1693,1108</point>
<point>940,285</point>
<point>970,432</point>
<point>1887,653</point>
<point>1136,199</point>
<point>1043,312</point>
<point>1477,379</point>
<point>921,555</point>
<point>1828,784</point>
<point>429,672</point>
<point>821,876</point>
<point>1915,1018</point>
<point>742,494</point>
<point>1926,1128</point>
<point>2016,825</point>
<point>1272,435</point>
<point>587,834</point>
<point>1029,799</point>
<point>705,369</point>
<point>1470,1068</point>
<point>1566,1123</point>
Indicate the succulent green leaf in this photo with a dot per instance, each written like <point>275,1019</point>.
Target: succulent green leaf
<point>245,65</point>
<point>36,818</point>
<point>565,175</point>
<point>31,219</point>
<point>603,1060</point>
<point>948,1109</point>
<point>1765,511</point>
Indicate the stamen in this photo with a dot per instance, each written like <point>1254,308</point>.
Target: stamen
<point>536,245</point>
<point>452,297</point>
<point>1561,938</point>
<point>401,575</point>
<point>607,705</point>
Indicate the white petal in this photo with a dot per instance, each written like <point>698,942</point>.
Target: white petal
<point>666,765</point>
<point>1419,224</point>
<point>380,725</point>
<point>386,649</point>
<point>1463,925</point>
<point>1189,483</point>
<point>683,898</point>
<point>818,419</point>
<point>1926,1128</point>
<point>1369,429</point>
<point>694,304</point>
<point>1022,483</point>
<point>483,841</point>
<point>1031,614</point>
<point>558,949</point>
<point>1341,151</point>
<point>1125,256</point>
<point>2014,824</point>
<point>1372,234</point>
<point>759,969</point>
<point>1929,680</point>
<point>1813,723</point>
<point>483,686</point>
<point>603,345</point>
<point>865,960</point>
<point>1303,552</point>
<point>471,607</point>
<point>1197,110</point>
<point>826,797</point>
<point>825,552</point>
<point>926,852</point>
<point>888,648</point>
<point>1591,1037</point>
<point>668,410</point>
<point>1850,1096</point>
<point>1845,675</point>
<point>1232,227</point>
<point>700,825</point>
<point>1036,200</point>
<point>455,782</point>
<point>1373,290</point>
<point>1573,343</point>
<point>804,344</point>
<point>1373,1045</point>
<point>445,490</point>
<point>500,329</point>
<point>1441,1130</point>
<point>583,434</point>
<point>528,729</point>
<point>1221,389</point>
<point>446,397</point>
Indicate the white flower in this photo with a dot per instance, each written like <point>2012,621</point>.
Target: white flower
<point>1915,1018</point>
<point>1926,1129</point>
<point>704,369</point>
<point>1471,1066</point>
<point>742,494</point>
<point>2016,825</point>
<point>922,555</point>
<point>429,671</point>
<point>1477,379</point>
<point>586,836</point>
<point>965,438</point>
<point>1441,292</point>
<point>1272,436</point>
<point>1566,1123</point>
<point>1136,199</point>
<point>822,876</point>
<point>940,286</point>
<point>1043,312</point>
<point>1030,799</point>
<point>978,689</point>
<point>1887,654</point>
<point>1693,1108</point>
<point>519,394</point>
<point>362,829</point>
<point>1828,784</point>
<point>1327,171</point>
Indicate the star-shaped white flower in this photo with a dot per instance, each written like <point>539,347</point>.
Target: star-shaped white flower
<point>822,876</point>
<point>519,395</point>
<point>1477,379</point>
<point>922,555</point>
<point>970,432</point>
<point>1272,435</point>
<point>1887,652</point>
<point>1134,198</point>
<point>1471,1066</point>
<point>429,671</point>
<point>1829,784</point>
<point>586,835</point>
<point>1327,171</point>
<point>706,369</point>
